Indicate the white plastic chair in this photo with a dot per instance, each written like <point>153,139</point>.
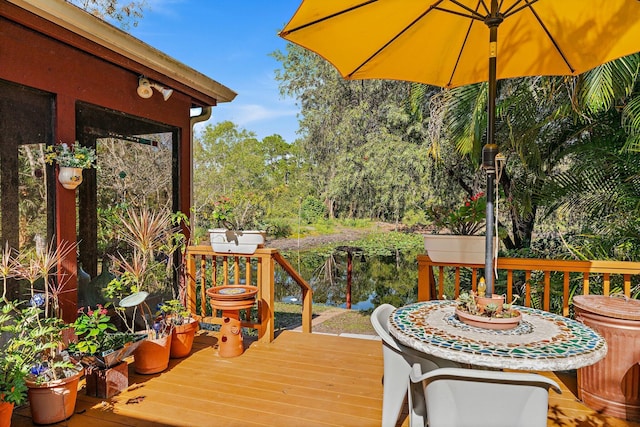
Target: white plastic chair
<point>478,398</point>
<point>398,362</point>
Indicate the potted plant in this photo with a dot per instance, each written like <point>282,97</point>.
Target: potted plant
<point>147,271</point>
<point>184,327</point>
<point>461,245</point>
<point>71,160</point>
<point>101,348</point>
<point>492,313</point>
<point>34,350</point>
<point>227,238</point>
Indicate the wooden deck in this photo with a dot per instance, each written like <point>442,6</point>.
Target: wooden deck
<point>297,380</point>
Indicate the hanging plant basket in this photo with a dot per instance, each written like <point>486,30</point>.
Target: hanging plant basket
<point>70,178</point>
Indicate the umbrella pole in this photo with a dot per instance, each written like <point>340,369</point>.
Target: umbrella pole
<point>490,150</point>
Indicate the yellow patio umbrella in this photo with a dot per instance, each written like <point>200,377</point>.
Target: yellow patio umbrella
<point>451,43</point>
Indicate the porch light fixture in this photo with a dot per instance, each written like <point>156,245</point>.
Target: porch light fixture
<point>145,89</point>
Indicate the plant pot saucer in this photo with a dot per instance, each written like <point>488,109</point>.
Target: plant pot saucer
<point>232,292</point>
<point>488,322</point>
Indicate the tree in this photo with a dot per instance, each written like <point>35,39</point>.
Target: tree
<point>255,179</point>
<point>123,12</point>
<point>364,150</point>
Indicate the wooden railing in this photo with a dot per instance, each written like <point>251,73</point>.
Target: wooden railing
<point>206,268</point>
<point>625,273</point>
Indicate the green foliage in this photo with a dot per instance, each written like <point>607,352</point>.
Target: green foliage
<point>415,218</point>
<point>466,219</point>
<point>74,156</point>
<point>277,227</point>
<point>122,12</point>
<point>92,329</point>
<point>312,210</point>
<point>175,312</point>
<point>153,239</point>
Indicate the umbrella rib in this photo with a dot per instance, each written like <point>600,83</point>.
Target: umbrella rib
<point>529,5</point>
<point>472,14</point>
<point>325,18</point>
<point>466,37</point>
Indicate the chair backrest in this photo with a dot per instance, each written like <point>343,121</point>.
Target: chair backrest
<point>379,319</point>
<point>473,398</point>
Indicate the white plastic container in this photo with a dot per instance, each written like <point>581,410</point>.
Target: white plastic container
<point>236,241</point>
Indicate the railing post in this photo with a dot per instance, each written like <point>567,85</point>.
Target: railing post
<point>267,309</point>
<point>426,280</point>
<point>191,282</point>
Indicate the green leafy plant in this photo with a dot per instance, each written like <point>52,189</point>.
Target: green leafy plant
<point>92,329</point>
<point>222,211</point>
<point>32,330</point>
<point>153,238</point>
<point>175,312</point>
<point>467,219</point>
<point>74,156</point>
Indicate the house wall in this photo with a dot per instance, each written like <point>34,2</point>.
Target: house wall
<point>52,62</point>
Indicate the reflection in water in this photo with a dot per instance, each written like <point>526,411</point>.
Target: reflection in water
<point>375,279</point>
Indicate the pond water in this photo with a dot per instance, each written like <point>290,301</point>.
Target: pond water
<point>374,279</point>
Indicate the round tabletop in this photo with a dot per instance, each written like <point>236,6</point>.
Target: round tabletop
<point>542,341</point>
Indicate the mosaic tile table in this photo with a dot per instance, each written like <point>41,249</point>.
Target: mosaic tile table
<point>542,341</point>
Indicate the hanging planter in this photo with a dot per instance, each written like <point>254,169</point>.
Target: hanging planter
<point>70,160</point>
<point>69,177</point>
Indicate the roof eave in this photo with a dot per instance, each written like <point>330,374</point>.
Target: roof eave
<point>84,24</point>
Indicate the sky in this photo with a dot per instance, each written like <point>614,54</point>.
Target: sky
<point>230,42</point>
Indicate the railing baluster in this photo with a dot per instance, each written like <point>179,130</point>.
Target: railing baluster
<point>627,284</point>
<point>585,283</point>
<point>527,294</point>
<point>565,294</point>
<point>225,270</point>
<point>509,286</point>
<point>203,285</point>
<point>547,290</point>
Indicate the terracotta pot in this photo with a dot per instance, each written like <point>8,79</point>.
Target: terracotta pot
<point>182,338</point>
<point>482,302</point>
<point>152,355</point>
<point>53,401</point>
<point>6,411</point>
<point>70,178</point>
<point>231,343</point>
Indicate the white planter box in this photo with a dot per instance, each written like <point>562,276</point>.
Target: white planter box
<point>455,249</point>
<point>236,242</point>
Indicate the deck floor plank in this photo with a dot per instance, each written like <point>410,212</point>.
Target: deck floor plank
<point>297,380</point>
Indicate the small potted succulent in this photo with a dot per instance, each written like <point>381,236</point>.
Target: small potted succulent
<point>492,313</point>
<point>71,160</point>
